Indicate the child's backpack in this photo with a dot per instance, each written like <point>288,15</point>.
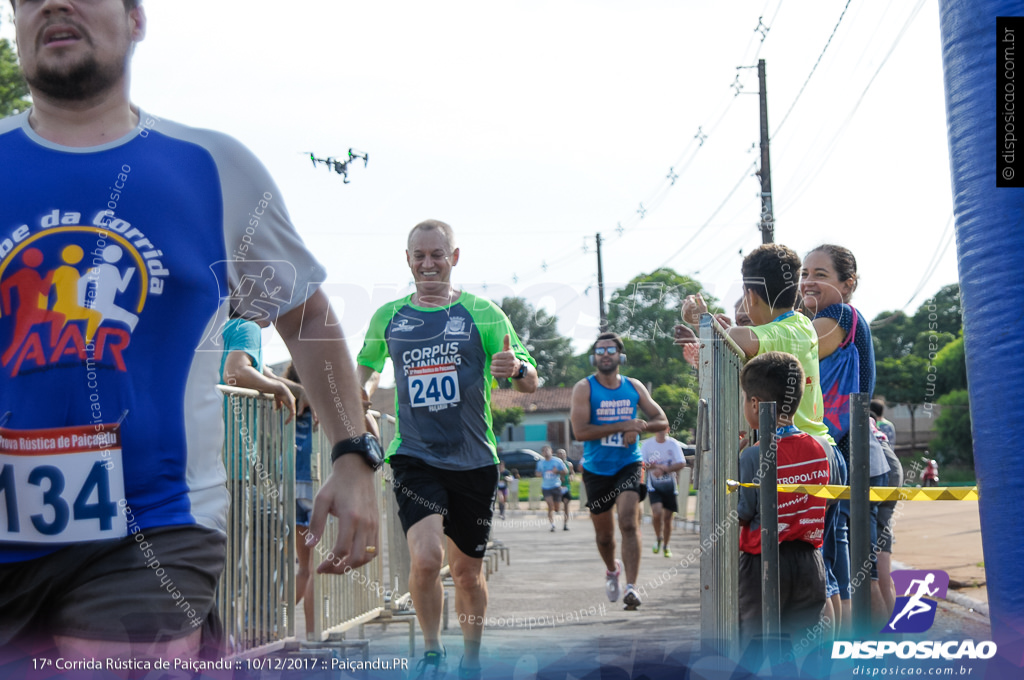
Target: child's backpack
<point>839,375</point>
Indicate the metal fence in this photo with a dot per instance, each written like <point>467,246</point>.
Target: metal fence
<point>341,602</point>
<point>256,595</point>
<point>719,424</point>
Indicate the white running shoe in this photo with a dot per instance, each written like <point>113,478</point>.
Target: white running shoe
<point>631,599</point>
<point>611,582</point>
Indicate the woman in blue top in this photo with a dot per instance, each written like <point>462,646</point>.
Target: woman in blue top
<point>828,278</point>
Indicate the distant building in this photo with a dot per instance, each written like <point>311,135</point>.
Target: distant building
<point>545,419</point>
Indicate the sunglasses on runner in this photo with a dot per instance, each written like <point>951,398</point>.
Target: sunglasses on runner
<point>606,350</point>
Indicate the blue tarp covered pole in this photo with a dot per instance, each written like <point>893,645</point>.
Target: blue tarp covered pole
<point>990,253</point>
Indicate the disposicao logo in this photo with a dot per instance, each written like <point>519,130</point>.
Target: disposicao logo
<point>914,612</point>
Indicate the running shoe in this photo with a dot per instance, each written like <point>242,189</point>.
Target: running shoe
<point>631,599</point>
<point>657,547</point>
<point>611,582</point>
<point>469,673</point>
<point>668,553</point>
<point>565,527</point>
<point>552,527</point>
<point>432,666</point>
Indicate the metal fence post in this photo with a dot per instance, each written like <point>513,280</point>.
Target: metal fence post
<point>720,363</point>
<point>860,513</point>
<point>769,510</point>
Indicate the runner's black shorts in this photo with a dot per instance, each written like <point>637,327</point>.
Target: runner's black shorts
<point>602,490</point>
<point>666,498</point>
<point>464,499</point>
<point>153,586</point>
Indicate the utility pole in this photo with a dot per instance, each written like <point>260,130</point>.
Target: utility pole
<point>600,288</point>
<point>767,216</point>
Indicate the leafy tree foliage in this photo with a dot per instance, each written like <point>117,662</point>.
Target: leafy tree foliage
<point>897,335</point>
<point>680,405</point>
<point>903,380</point>
<point>951,367</point>
<point>539,332</point>
<point>13,89</point>
<point>500,417</point>
<point>643,313</point>
<point>919,358</point>
<point>954,443</point>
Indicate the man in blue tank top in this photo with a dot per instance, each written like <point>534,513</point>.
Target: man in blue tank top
<point>604,418</point>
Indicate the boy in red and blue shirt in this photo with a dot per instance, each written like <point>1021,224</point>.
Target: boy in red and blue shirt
<point>801,459</point>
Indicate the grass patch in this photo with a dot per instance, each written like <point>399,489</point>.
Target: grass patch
<point>524,488</point>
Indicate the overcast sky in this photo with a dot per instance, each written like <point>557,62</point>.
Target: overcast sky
<point>531,126</point>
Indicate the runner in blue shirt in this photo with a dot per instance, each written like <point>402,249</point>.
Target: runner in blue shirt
<point>550,470</point>
<point>604,417</point>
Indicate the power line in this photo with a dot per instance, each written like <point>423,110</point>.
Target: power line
<point>809,178</point>
<point>743,177</point>
<point>813,68</point>
<point>940,249</point>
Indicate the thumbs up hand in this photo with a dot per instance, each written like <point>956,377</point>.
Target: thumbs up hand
<point>504,364</point>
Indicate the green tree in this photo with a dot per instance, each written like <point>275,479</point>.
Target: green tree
<point>12,86</point>
<point>896,335</point>
<point>500,417</point>
<point>893,335</point>
<point>954,444</point>
<point>903,381</point>
<point>539,332</point>
<point>941,312</point>
<point>928,344</point>
<point>951,367</point>
<point>680,406</point>
<point>644,313</point>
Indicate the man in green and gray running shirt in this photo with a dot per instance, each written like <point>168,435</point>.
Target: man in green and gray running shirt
<point>447,347</point>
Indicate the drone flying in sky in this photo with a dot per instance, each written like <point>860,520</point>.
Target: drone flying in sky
<point>341,166</point>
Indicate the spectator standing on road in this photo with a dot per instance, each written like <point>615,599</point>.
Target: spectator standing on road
<point>447,347</point>
<point>886,426</point>
<point>153,207</point>
<point>663,459</point>
<point>604,417</point>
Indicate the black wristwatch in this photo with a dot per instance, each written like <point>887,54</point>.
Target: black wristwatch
<point>521,373</point>
<point>365,445</point>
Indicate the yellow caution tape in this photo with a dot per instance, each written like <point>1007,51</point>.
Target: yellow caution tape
<point>877,493</point>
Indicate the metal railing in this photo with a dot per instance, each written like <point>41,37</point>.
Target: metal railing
<point>717,461</point>
<point>341,602</point>
<point>256,595</point>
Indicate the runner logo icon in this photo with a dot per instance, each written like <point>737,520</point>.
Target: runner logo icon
<point>914,611</point>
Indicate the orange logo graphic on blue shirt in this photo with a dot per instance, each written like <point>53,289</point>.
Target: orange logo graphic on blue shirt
<point>70,294</point>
